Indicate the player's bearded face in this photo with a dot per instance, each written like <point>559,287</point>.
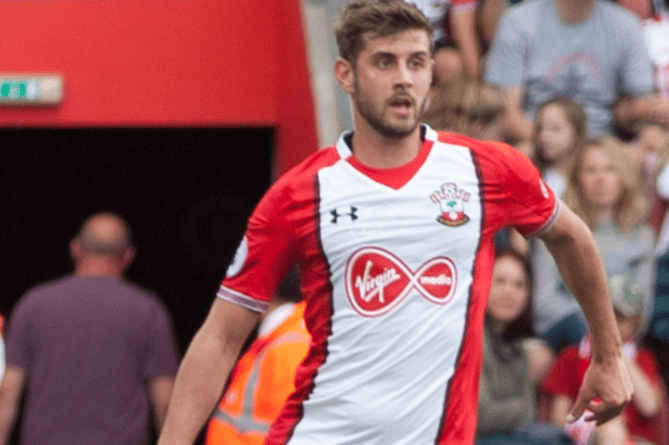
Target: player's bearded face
<point>391,81</point>
<point>378,112</point>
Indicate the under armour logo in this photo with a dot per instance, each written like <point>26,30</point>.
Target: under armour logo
<point>336,215</point>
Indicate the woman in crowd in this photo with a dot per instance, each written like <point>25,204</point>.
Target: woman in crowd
<point>603,190</point>
<point>513,360</point>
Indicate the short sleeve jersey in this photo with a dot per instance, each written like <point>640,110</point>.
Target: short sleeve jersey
<point>395,270</point>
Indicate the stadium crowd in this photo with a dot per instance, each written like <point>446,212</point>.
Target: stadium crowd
<point>582,88</point>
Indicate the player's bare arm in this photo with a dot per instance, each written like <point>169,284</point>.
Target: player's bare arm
<point>208,362</point>
<point>571,243</point>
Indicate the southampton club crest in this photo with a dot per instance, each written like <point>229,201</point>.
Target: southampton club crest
<point>451,202</point>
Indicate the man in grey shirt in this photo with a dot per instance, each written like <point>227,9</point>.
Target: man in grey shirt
<point>590,50</point>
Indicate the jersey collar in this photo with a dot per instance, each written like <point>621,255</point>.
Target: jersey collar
<point>395,177</point>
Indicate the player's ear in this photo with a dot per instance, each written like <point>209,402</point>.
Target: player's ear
<point>345,75</point>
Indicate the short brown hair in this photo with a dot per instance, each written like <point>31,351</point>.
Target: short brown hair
<point>376,18</point>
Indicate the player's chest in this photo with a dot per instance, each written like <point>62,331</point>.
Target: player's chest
<point>438,212</point>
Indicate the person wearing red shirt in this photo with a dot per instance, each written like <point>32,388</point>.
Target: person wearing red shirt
<point>640,419</point>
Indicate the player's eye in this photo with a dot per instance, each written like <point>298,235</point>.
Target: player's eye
<point>384,62</point>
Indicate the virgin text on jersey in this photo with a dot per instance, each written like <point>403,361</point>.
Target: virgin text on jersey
<point>451,202</point>
<point>377,281</point>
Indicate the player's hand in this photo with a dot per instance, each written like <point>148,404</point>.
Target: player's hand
<point>606,389</point>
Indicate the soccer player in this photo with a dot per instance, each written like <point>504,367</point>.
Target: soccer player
<point>392,229</point>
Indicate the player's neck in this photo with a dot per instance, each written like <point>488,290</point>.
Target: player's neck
<point>377,151</point>
<point>574,11</point>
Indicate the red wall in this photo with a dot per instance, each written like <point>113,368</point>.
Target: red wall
<point>165,63</point>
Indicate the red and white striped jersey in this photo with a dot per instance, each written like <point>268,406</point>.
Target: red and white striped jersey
<point>395,269</point>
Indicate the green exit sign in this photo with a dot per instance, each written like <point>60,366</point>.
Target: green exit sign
<point>31,89</point>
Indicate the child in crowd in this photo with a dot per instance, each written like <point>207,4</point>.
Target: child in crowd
<point>560,130</point>
<point>639,423</point>
<point>514,362</point>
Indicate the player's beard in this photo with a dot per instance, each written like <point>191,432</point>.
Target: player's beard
<point>375,116</point>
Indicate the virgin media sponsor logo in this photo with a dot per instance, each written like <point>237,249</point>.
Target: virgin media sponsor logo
<point>377,281</point>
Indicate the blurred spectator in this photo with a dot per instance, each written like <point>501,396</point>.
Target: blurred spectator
<point>656,34</point>
<point>640,422</point>
<point>264,377</point>
<point>463,24</point>
<point>457,50</point>
<point>603,190</point>
<point>559,133</point>
<point>590,50</point>
<point>92,350</point>
<point>659,326</point>
<point>513,361</point>
<point>468,107</point>
<point>491,11</point>
<point>647,153</point>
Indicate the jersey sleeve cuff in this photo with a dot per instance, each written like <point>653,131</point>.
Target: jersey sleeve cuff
<point>242,300</point>
<point>549,222</point>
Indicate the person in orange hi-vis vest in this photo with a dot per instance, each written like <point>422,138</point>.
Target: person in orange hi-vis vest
<point>264,376</point>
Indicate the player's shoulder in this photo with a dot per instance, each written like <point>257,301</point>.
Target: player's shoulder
<point>298,184</point>
<point>305,171</point>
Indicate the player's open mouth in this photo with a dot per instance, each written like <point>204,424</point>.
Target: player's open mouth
<point>402,105</point>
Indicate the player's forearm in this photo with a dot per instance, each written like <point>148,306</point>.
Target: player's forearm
<point>581,267</point>
<point>197,388</point>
